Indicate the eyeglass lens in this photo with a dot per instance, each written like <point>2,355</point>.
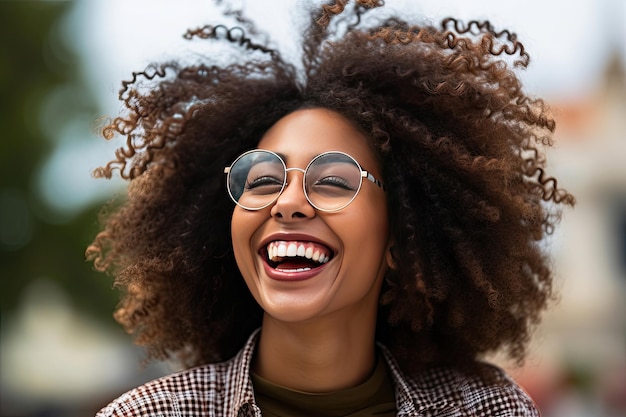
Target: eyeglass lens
<point>331,181</point>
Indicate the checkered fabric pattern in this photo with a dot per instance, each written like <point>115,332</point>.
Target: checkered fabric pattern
<point>225,390</point>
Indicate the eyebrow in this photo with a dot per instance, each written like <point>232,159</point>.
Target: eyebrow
<point>281,155</point>
<point>284,157</point>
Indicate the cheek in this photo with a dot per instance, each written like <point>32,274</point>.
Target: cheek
<point>366,230</point>
<point>242,228</point>
<point>239,235</point>
<point>374,212</point>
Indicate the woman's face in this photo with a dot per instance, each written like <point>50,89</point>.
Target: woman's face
<point>355,239</point>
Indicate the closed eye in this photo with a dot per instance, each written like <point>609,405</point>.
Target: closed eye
<point>334,181</point>
<point>266,181</point>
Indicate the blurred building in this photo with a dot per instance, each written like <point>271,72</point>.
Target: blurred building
<point>577,365</point>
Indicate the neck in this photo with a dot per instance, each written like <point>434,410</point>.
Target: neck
<point>323,356</point>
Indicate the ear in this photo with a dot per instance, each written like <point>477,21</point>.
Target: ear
<point>390,255</point>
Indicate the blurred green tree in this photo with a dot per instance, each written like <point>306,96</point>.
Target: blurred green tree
<point>35,61</point>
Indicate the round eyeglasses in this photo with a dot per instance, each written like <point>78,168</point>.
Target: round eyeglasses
<point>330,181</point>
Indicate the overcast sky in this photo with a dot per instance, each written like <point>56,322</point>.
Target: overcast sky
<point>568,39</point>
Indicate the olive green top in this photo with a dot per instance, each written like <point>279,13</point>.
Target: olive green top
<point>374,397</point>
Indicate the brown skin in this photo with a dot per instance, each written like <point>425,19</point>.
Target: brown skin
<point>459,144</point>
<point>318,333</point>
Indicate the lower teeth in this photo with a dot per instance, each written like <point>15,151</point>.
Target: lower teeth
<point>294,270</point>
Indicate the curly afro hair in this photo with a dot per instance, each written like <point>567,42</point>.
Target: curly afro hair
<point>461,146</point>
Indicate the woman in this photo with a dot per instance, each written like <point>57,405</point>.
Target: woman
<point>378,234</point>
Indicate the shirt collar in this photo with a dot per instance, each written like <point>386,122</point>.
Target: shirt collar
<point>416,397</point>
<point>410,399</point>
<point>239,381</point>
<point>404,393</point>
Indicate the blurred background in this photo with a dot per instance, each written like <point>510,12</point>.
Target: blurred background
<point>61,65</point>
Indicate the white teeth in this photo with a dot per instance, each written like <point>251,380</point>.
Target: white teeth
<point>294,270</point>
<point>280,249</point>
<point>292,249</point>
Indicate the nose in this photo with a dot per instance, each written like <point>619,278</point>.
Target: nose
<point>292,203</point>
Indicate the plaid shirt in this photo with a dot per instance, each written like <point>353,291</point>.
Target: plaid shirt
<point>225,390</point>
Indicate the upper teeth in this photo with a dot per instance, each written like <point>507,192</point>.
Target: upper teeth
<point>281,249</point>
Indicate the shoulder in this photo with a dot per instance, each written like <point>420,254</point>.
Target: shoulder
<point>217,389</point>
<point>194,392</point>
<point>493,393</point>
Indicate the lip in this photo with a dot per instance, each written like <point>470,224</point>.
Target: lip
<point>292,276</point>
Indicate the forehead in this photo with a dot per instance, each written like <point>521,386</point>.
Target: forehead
<point>306,133</point>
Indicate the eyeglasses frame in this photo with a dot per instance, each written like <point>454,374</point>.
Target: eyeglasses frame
<point>364,174</point>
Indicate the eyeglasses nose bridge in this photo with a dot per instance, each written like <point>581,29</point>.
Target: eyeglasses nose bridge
<point>294,169</point>
<point>286,184</point>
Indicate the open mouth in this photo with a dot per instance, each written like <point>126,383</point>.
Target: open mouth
<point>297,256</point>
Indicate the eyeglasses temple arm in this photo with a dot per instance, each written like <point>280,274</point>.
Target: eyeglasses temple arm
<point>373,179</point>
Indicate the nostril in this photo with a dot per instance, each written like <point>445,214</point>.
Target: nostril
<point>297,214</point>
